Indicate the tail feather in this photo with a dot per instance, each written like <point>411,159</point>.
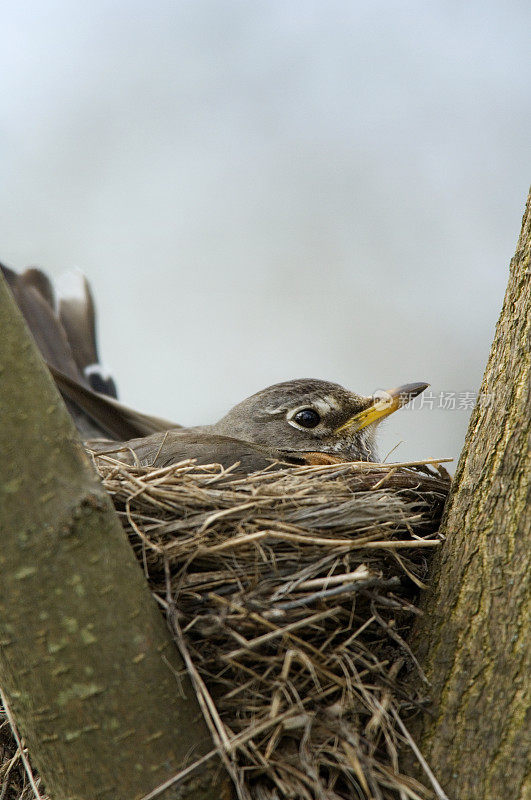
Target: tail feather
<point>37,279</point>
<point>77,314</point>
<point>65,333</point>
<point>35,298</point>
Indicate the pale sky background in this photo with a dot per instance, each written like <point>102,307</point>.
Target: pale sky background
<point>261,191</point>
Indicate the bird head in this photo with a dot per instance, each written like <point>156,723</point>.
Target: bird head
<point>312,415</point>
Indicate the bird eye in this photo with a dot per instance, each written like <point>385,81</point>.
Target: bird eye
<point>307,418</point>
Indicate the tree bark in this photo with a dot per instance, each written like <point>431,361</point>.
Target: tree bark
<point>87,664</point>
<point>473,639</point>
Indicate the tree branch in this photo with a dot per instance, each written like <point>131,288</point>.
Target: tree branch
<point>87,664</point>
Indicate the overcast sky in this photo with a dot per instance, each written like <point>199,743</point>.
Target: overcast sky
<point>261,191</point>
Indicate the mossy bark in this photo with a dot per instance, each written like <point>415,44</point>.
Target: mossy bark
<point>87,664</point>
<point>474,638</point>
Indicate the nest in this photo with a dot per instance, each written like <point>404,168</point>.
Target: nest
<point>290,593</point>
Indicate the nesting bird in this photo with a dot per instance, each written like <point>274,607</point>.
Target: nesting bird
<point>298,421</point>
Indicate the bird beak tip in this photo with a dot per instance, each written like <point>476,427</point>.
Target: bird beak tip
<point>408,391</point>
<point>383,404</point>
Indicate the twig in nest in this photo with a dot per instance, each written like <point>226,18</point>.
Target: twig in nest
<point>25,761</point>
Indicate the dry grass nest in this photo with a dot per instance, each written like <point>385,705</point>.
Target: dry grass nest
<point>290,593</point>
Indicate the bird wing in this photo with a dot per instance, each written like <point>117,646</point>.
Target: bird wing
<point>116,419</point>
<point>162,449</point>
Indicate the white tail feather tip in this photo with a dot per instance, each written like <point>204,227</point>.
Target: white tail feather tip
<point>98,369</point>
<point>71,285</point>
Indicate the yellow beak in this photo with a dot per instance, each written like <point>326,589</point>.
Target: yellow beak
<point>383,404</point>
